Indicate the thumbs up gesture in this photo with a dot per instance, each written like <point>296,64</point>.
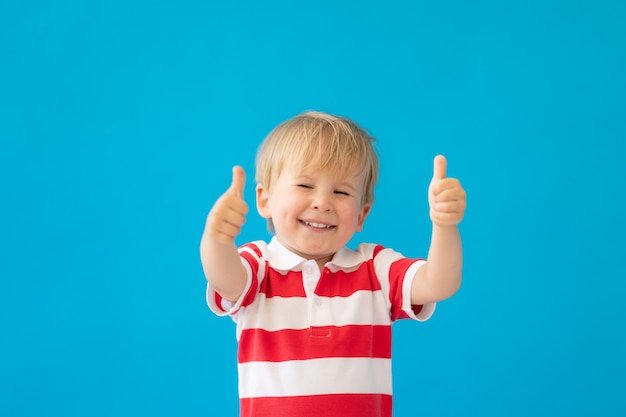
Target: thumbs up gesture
<point>446,196</point>
<point>229,211</point>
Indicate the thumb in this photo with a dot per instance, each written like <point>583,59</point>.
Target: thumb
<point>439,167</point>
<point>239,181</point>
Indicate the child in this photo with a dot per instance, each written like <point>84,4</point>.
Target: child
<point>314,317</point>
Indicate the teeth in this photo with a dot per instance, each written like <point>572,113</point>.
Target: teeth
<point>317,225</point>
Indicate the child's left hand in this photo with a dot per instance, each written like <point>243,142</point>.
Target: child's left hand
<point>445,196</point>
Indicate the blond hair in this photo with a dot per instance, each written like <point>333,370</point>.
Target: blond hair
<point>323,141</point>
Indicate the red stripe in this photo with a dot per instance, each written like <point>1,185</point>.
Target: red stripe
<point>344,284</point>
<point>417,309</point>
<point>337,405</point>
<point>354,341</point>
<point>397,271</point>
<point>254,267</point>
<point>253,248</point>
<point>276,284</point>
<point>399,314</point>
<point>218,301</point>
<point>252,260</point>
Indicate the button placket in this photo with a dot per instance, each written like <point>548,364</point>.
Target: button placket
<point>310,278</point>
<point>319,322</point>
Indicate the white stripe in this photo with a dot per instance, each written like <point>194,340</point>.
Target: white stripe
<point>314,377</point>
<point>278,313</point>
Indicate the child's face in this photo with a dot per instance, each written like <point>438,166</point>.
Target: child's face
<point>313,212</point>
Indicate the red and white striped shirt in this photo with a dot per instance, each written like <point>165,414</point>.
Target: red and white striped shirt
<point>317,342</point>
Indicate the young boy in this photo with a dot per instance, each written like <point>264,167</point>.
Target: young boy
<point>314,317</point>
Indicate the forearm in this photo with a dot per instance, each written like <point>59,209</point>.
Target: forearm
<point>222,267</point>
<point>443,270</point>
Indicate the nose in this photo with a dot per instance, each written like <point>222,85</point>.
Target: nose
<point>321,202</point>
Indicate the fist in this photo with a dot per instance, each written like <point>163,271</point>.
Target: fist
<point>446,197</point>
<point>229,211</point>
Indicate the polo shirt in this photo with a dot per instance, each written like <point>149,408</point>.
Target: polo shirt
<point>318,343</point>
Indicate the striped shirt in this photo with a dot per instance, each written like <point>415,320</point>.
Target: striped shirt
<point>317,342</point>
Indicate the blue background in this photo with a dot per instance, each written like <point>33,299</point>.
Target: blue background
<point>120,121</point>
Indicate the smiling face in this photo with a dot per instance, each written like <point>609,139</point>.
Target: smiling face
<point>316,175</point>
<point>314,212</point>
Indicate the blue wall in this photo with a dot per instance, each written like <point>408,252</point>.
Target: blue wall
<point>119,122</point>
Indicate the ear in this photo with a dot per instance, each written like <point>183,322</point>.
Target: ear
<point>262,202</point>
<point>365,210</point>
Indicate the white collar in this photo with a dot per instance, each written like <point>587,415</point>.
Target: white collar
<point>283,259</point>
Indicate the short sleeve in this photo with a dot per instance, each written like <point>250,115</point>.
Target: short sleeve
<point>396,273</point>
<point>415,312</point>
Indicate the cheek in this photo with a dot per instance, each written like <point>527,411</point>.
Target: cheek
<point>288,204</point>
<point>350,213</point>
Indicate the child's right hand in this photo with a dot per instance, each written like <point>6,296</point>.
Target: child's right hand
<point>229,211</point>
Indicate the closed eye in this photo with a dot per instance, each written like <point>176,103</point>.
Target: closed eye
<point>304,186</point>
<point>341,192</point>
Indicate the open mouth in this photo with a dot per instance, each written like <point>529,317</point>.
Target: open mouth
<point>316,225</point>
